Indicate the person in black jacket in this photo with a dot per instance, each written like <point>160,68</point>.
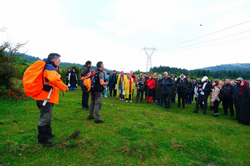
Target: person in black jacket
<point>181,85</point>
<point>194,83</point>
<point>228,101</point>
<point>189,93</point>
<point>67,77</point>
<point>166,84</point>
<point>85,95</point>
<point>235,96</point>
<point>244,103</point>
<point>204,92</point>
<point>112,84</point>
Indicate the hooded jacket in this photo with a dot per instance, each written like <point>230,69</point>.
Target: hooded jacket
<point>151,82</point>
<point>166,85</point>
<point>51,75</point>
<point>181,83</point>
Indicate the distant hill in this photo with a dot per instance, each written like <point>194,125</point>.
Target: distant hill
<point>236,66</point>
<point>63,64</point>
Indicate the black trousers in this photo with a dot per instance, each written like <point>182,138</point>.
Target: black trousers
<point>85,99</point>
<point>228,103</point>
<point>129,97</point>
<point>167,100</point>
<point>112,90</point>
<point>140,91</point>
<point>181,95</point>
<point>192,95</point>
<point>216,106</point>
<point>200,99</point>
<point>236,107</point>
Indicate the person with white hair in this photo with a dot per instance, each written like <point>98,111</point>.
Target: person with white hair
<point>204,91</point>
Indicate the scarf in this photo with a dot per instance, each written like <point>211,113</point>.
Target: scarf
<point>243,87</point>
<point>122,74</point>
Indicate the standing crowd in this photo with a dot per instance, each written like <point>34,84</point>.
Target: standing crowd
<point>160,89</point>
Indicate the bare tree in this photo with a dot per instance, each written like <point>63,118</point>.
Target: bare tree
<point>12,50</point>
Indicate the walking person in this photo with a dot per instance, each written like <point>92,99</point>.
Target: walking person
<point>120,86</point>
<point>167,83</point>
<point>113,83</point>
<point>158,90</point>
<point>228,101</point>
<point>204,90</point>
<point>96,94</point>
<point>150,85</point>
<point>140,88</point>
<point>215,97</point>
<point>52,76</point>
<point>244,104</point>
<point>106,87</point>
<point>85,95</point>
<point>235,96</point>
<point>181,85</point>
<point>173,90</point>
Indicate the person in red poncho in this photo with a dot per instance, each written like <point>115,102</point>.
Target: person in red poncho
<point>150,85</point>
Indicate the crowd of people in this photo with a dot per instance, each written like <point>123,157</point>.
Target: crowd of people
<point>160,89</point>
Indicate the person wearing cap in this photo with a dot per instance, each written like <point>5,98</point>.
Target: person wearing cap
<point>181,84</point>
<point>140,87</point>
<point>189,93</point>
<point>173,90</point>
<point>236,95</point>
<point>85,95</point>
<point>158,90</point>
<point>228,101</point>
<point>120,86</point>
<point>204,90</point>
<point>96,94</point>
<point>166,84</point>
<point>150,85</point>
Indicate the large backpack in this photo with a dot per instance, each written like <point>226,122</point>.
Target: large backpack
<point>33,78</point>
<point>88,81</point>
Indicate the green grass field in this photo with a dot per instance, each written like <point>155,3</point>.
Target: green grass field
<point>134,134</point>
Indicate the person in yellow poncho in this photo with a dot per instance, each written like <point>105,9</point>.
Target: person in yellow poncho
<point>128,85</point>
<point>119,86</point>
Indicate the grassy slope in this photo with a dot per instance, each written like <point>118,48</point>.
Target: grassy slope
<point>133,134</point>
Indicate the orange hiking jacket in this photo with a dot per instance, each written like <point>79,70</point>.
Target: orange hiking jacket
<point>52,75</point>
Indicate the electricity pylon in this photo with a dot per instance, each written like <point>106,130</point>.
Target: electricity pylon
<point>149,56</point>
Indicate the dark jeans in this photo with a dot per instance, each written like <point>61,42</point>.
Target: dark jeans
<point>216,106</point>
<point>236,107</point>
<point>85,99</point>
<point>139,91</point>
<point>188,97</point>
<point>112,90</point>
<point>228,102</point>
<point>181,95</point>
<point>165,98</point>
<point>201,98</point>
<point>160,101</point>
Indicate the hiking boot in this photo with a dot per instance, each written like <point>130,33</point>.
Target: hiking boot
<point>51,136</point>
<point>214,115</point>
<point>47,143</point>
<point>85,108</point>
<point>99,121</point>
<point>90,118</point>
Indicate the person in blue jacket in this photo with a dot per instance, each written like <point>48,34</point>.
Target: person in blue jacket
<point>106,87</point>
<point>166,83</point>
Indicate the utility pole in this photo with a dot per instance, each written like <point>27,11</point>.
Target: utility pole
<point>149,56</point>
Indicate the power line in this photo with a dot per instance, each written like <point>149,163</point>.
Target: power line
<point>214,44</point>
<point>206,35</point>
<point>212,40</point>
<point>228,11</point>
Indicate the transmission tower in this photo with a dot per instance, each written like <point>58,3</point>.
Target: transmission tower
<point>149,56</point>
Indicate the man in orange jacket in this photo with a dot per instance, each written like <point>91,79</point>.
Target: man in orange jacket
<point>53,82</point>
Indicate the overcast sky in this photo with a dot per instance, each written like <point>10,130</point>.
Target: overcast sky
<point>115,31</point>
